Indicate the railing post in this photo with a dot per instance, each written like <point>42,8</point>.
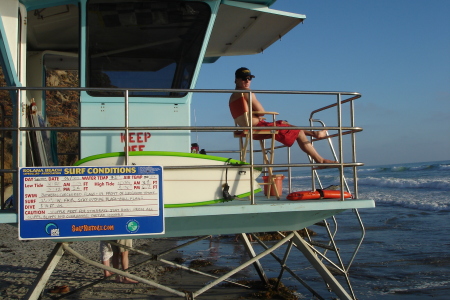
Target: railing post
<point>341,148</point>
<point>355,174</point>
<point>127,133</point>
<point>17,161</point>
<point>250,123</point>
<point>289,169</point>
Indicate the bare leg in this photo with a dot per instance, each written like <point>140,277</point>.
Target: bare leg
<point>106,272</point>
<point>306,146</point>
<point>116,264</point>
<point>316,134</point>
<point>125,264</point>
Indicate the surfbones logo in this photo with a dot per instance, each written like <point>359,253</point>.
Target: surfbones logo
<point>52,229</point>
<point>132,226</point>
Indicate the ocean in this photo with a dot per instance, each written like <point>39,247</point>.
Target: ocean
<point>406,250</point>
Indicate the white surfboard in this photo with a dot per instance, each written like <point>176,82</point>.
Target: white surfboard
<point>187,187</point>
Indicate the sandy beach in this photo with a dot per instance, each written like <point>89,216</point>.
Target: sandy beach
<point>21,261</point>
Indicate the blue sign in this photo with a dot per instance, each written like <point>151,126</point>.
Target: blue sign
<point>80,202</point>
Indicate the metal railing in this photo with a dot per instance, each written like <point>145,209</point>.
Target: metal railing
<point>19,128</point>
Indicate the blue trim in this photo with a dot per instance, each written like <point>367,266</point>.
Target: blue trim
<point>6,60</point>
<point>214,7</point>
<point>36,4</point>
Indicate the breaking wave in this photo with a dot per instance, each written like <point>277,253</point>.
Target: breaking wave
<point>403,183</point>
<point>407,167</point>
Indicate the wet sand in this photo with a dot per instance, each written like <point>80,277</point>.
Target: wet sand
<point>21,261</point>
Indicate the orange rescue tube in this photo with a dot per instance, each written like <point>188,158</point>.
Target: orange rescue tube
<point>304,195</point>
<point>334,194</point>
<point>317,194</point>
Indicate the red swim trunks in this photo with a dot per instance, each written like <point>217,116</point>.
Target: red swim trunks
<point>285,136</point>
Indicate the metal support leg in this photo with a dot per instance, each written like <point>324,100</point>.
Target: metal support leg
<point>46,271</point>
<point>244,265</point>
<point>283,263</point>
<point>256,264</point>
<point>320,267</point>
<point>123,273</point>
<point>293,274</point>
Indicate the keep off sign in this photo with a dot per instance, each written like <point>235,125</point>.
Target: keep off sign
<point>75,202</point>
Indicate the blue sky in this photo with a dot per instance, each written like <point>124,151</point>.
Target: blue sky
<point>396,53</point>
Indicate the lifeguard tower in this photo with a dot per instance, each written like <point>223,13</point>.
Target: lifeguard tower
<point>125,72</point>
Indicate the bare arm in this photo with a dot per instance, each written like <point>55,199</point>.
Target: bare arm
<point>256,106</point>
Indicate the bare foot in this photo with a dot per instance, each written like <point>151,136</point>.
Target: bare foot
<point>320,134</point>
<point>107,273</point>
<point>326,161</point>
<point>129,280</point>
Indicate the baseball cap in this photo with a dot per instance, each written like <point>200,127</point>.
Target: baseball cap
<point>243,72</point>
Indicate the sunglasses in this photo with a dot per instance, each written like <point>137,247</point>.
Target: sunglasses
<point>246,78</point>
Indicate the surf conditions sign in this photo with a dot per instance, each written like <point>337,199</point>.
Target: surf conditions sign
<point>83,202</point>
